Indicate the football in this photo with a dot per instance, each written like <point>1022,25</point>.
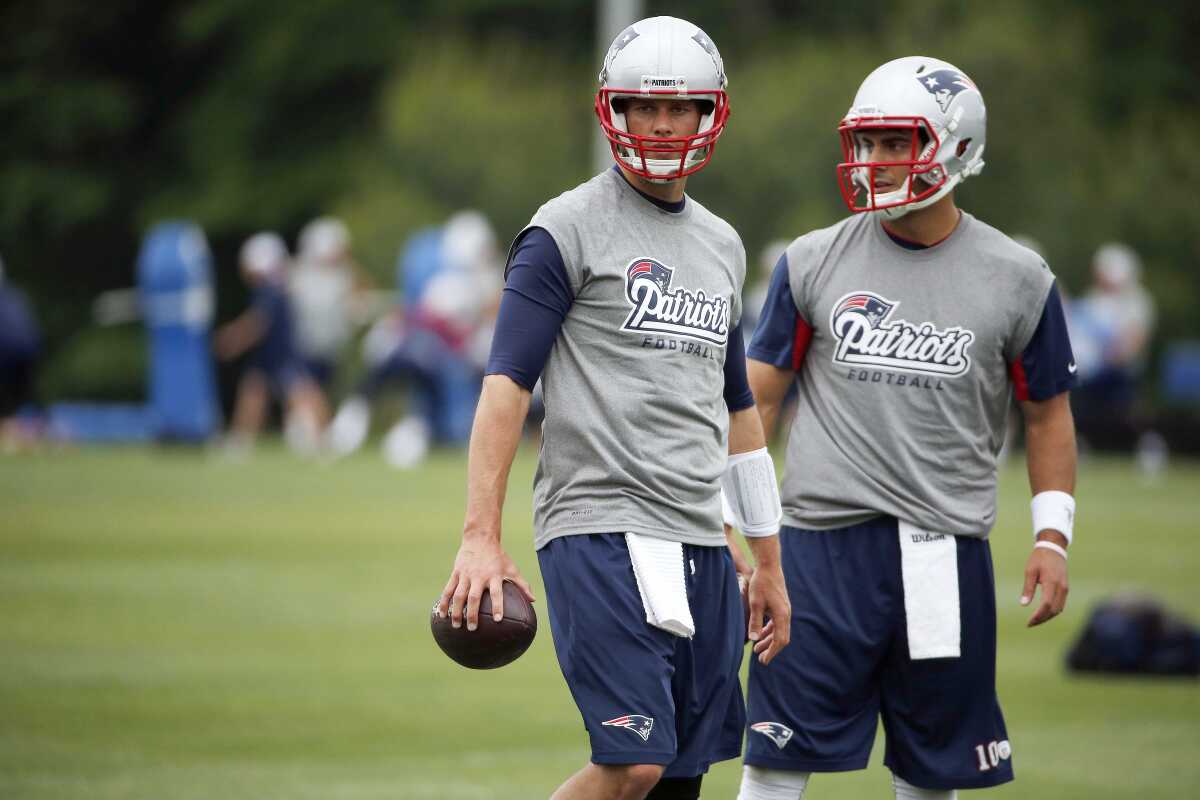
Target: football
<point>493,644</point>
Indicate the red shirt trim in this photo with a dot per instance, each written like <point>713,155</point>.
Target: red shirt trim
<point>1016,371</point>
<point>800,342</point>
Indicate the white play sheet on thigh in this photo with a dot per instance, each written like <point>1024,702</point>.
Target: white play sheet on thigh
<point>929,567</point>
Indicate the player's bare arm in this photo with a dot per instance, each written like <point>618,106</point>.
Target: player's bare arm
<point>1050,450</point>
<point>767,592</point>
<point>235,338</point>
<point>481,562</point>
<point>769,384</point>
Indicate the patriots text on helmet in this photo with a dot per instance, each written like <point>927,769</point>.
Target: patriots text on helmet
<point>861,323</point>
<point>658,308</point>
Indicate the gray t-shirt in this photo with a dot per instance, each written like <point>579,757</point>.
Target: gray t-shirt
<point>636,426</point>
<point>904,390</point>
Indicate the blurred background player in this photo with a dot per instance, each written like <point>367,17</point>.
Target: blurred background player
<point>624,297</point>
<point>20,346</point>
<point>265,331</point>
<point>909,327</point>
<point>435,343</point>
<point>325,287</point>
<point>1111,327</point>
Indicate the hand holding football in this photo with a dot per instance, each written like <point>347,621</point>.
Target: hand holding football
<point>492,644</point>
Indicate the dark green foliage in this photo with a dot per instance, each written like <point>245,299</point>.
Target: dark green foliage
<point>262,115</point>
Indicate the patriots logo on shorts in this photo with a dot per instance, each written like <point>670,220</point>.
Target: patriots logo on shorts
<point>634,722</point>
<point>944,85</point>
<point>777,732</point>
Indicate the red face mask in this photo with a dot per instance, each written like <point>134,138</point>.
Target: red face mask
<point>662,157</point>
<point>857,177</point>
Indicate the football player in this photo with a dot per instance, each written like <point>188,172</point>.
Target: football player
<point>623,296</point>
<point>907,327</point>
<point>265,331</point>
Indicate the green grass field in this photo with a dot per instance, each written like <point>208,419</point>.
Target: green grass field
<point>175,626</point>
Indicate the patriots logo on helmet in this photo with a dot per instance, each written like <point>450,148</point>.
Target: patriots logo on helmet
<point>777,732</point>
<point>944,85</point>
<point>627,36</point>
<point>633,722</point>
<point>701,38</point>
<point>874,308</point>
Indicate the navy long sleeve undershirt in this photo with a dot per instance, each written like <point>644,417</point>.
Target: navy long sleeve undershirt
<point>537,297</point>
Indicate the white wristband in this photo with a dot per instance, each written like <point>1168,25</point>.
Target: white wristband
<point>753,493</point>
<point>1053,511</point>
<point>1051,546</point>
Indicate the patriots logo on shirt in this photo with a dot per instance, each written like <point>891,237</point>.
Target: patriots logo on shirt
<point>873,307</point>
<point>867,335</point>
<point>657,308</point>
<point>944,85</point>
<point>633,722</point>
<point>777,732</point>
<point>652,271</point>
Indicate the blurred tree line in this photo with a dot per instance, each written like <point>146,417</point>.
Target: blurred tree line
<point>246,116</point>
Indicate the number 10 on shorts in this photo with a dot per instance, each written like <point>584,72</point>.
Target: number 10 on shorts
<point>991,754</point>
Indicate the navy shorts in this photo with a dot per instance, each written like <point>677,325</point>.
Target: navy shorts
<point>647,696</point>
<point>281,374</point>
<point>815,708</point>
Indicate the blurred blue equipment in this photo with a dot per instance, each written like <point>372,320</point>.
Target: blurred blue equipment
<point>175,278</point>
<point>1181,373</point>
<point>418,263</point>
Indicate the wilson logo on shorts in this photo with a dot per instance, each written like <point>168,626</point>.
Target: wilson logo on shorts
<point>681,312</point>
<point>778,733</point>
<point>867,336</point>
<point>633,722</point>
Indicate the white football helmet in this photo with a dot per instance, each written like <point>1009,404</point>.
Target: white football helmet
<point>944,109</point>
<point>325,239</point>
<point>663,57</point>
<point>264,255</point>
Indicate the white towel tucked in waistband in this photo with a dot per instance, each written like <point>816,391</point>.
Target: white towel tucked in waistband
<point>929,566</point>
<point>658,568</point>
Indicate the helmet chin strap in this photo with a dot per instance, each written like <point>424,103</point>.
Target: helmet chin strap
<point>655,165</point>
<point>896,212</point>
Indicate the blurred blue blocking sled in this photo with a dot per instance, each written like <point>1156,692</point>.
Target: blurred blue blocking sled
<point>175,299</point>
